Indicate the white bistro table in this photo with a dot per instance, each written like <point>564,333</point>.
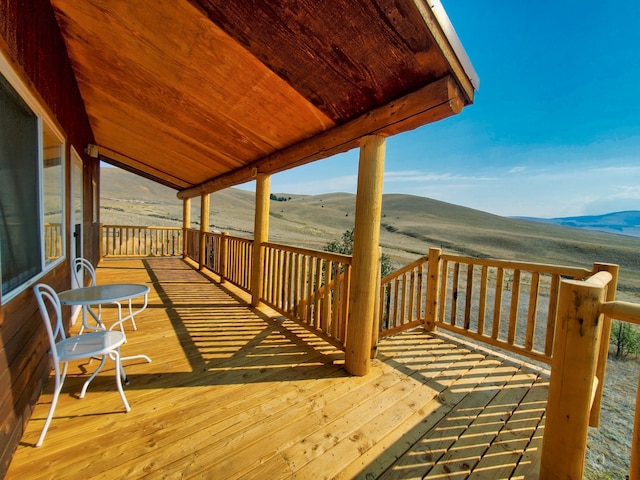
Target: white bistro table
<point>105,294</point>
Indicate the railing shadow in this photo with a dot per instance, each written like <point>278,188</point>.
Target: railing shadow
<point>225,340</point>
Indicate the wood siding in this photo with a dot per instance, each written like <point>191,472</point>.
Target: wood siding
<point>30,37</point>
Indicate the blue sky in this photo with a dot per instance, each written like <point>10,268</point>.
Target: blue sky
<point>555,127</point>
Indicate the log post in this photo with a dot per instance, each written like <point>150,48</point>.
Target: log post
<point>634,471</point>
<point>186,225</point>
<point>260,235</point>
<point>601,369</point>
<point>224,248</point>
<point>104,243</point>
<point>366,239</point>
<point>433,289</point>
<point>573,367</point>
<point>204,228</point>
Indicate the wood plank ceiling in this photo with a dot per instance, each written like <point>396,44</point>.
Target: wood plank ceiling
<point>202,94</point>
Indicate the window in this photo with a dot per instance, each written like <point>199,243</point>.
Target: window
<point>31,192</point>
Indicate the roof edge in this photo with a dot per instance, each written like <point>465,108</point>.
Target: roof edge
<point>452,37</point>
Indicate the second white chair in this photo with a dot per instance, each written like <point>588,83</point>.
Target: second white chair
<point>85,266</point>
<point>64,349</point>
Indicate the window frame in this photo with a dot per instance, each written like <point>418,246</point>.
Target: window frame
<point>44,120</point>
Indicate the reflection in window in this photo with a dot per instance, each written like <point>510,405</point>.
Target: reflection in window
<point>19,209</point>
<point>53,188</point>
<point>31,192</point>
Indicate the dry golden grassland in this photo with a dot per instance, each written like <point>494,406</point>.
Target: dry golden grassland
<point>410,226</point>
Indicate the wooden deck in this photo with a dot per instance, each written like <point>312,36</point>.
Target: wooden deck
<point>233,392</point>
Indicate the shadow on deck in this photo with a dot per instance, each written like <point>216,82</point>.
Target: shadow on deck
<point>234,392</point>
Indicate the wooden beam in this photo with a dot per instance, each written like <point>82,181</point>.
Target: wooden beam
<point>363,294</point>
<point>260,235</point>
<point>139,168</point>
<point>434,102</point>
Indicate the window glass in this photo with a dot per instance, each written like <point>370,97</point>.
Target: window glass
<point>53,186</point>
<point>19,193</point>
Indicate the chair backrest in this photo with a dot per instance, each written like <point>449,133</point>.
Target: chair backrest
<point>55,331</point>
<point>80,264</point>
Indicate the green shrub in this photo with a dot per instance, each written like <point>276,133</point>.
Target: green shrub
<point>345,247</point>
<point>625,338</point>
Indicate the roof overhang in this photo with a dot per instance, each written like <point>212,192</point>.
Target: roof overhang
<point>201,95</point>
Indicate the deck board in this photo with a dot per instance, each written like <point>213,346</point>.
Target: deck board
<point>235,392</point>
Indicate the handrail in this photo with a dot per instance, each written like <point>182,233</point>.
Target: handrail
<point>623,311</point>
<point>564,270</point>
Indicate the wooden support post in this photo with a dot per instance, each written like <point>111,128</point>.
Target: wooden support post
<point>104,243</point>
<point>601,369</point>
<point>433,289</point>
<point>634,471</point>
<point>224,248</point>
<point>260,235</point>
<point>204,228</point>
<point>366,239</point>
<point>186,225</point>
<point>573,368</point>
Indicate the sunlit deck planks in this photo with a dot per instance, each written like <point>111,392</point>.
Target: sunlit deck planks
<point>235,393</point>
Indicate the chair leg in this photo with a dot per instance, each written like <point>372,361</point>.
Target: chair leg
<point>59,380</point>
<point>118,380</point>
<point>131,315</point>
<point>93,375</point>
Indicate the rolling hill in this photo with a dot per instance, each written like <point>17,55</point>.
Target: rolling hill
<point>410,225</point>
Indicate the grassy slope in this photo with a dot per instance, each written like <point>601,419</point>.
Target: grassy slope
<point>410,225</point>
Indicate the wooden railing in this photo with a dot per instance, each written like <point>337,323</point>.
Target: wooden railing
<point>507,304</point>
<point>52,240</point>
<point>192,244</point>
<point>403,299</point>
<point>141,241</point>
<point>237,254</point>
<point>226,256</point>
<point>309,287</point>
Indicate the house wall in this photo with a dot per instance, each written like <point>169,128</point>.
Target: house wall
<point>30,37</point>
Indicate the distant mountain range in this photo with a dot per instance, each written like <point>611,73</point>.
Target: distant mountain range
<point>625,223</point>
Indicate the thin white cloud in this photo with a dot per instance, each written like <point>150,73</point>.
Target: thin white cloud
<point>416,176</point>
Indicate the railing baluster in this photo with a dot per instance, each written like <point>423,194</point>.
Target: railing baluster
<point>497,303</point>
<point>454,292</point>
<point>513,312</point>
<point>482,306</point>
<point>442,310</point>
<point>469,297</point>
<point>532,312</point>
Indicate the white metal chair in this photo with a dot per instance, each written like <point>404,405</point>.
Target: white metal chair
<point>64,349</point>
<point>82,264</point>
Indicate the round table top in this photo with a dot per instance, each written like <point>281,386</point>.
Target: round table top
<point>105,293</point>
